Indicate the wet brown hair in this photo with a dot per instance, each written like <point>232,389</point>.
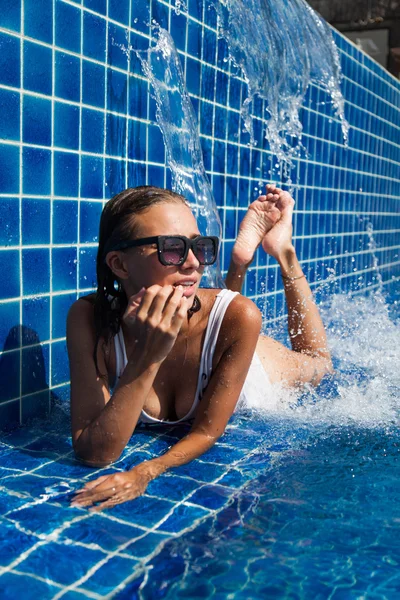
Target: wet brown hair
<point>117,224</point>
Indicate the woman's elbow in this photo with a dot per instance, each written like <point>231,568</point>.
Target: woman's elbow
<point>92,459</point>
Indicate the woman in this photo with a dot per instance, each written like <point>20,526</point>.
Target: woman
<point>151,346</point>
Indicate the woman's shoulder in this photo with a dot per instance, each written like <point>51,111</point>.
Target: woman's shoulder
<point>81,316</point>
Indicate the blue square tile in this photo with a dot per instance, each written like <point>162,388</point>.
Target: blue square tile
<point>35,406</point>
<point>9,109</point>
<point>118,11</point>
<point>59,357</point>
<point>9,318</point>
<point>10,60</point>
<point>38,20</point>
<point>137,175</point>
<point>137,140</point>
<point>92,177</point>
<point>109,535</point>
<point>94,37</point>
<point>64,269</point>
<point>36,171</point>
<point>99,6</point>
<point>172,487</point>
<point>10,373</point>
<point>36,121</point>
<point>110,575</point>
<point>212,497</point>
<point>182,518</point>
<point>61,306</point>
<point>41,518</point>
<point>143,511</point>
<point>116,40</point>
<point>66,174</point>
<point>177,30</point>
<point>114,176</point>
<point>92,131</point>
<point>9,169</point>
<point>159,13</point>
<point>193,76</point>
<point>117,91</point>
<point>201,471</point>
<point>146,545</point>
<point>65,222</point>
<point>45,560</point>
<point>36,271</point>
<point>115,135</point>
<point>93,84</point>
<point>10,15</point>
<point>9,217</point>
<point>37,68</point>
<point>140,17</point>
<point>36,316</point>
<point>87,268</point>
<point>66,126</point>
<point>11,547</point>
<point>156,150</point>
<point>68,27</point>
<point>67,76</point>
<point>35,373</point>
<point>89,221</point>
<point>35,221</point>
<point>9,263</point>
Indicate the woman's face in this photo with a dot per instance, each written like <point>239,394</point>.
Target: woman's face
<point>142,264</point>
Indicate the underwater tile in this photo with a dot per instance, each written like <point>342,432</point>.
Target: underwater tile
<point>46,561</point>
<point>144,511</point>
<point>13,543</point>
<point>40,518</point>
<point>224,454</point>
<point>104,532</point>
<point>172,487</point>
<point>146,545</point>
<point>16,585</point>
<point>200,471</point>
<point>110,575</point>
<point>25,460</point>
<point>9,502</point>
<point>182,518</point>
<point>37,486</point>
<point>211,496</point>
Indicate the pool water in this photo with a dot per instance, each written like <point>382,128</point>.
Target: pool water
<point>303,502</point>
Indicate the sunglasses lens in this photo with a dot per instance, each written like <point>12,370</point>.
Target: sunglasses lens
<point>173,250</point>
<point>206,251</point>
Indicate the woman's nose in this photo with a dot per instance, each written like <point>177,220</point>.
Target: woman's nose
<point>191,261</point>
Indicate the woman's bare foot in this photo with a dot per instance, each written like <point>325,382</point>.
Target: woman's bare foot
<point>261,216</point>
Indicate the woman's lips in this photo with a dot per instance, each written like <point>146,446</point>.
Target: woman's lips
<point>189,288</point>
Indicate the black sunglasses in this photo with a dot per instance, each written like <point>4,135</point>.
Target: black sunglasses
<point>174,249</point>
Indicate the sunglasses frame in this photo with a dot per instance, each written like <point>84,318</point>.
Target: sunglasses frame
<point>189,243</point>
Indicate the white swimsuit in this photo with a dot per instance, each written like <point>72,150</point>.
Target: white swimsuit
<point>256,384</point>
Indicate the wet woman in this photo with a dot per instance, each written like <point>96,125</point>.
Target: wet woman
<point>151,346</point>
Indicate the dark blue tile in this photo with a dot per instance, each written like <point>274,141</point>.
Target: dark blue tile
<point>146,545</point>
<point>109,535</point>
<point>37,68</point>
<point>45,560</point>
<point>211,496</point>
<point>9,169</point>
<point>200,471</point>
<point>10,15</point>
<point>115,135</point>
<point>171,486</point>
<point>65,222</point>
<point>59,359</point>
<point>66,126</point>
<point>37,121</point>
<point>35,406</point>
<point>35,221</point>
<point>9,217</point>
<point>64,269</point>
<point>10,373</point>
<point>137,140</point>
<point>94,37</point>
<point>9,318</point>
<point>110,575</point>
<point>137,175</point>
<point>114,176</point>
<point>156,151</point>
<point>18,584</point>
<point>92,177</point>
<point>13,543</point>
<point>10,109</point>
<point>140,17</point>
<point>93,84</point>
<point>66,174</point>
<point>10,60</point>
<point>119,11</point>
<point>89,221</point>
<point>193,76</point>
<point>36,316</point>
<point>10,502</point>
<point>68,76</point>
<point>9,263</point>
<point>33,485</point>
<point>36,271</point>
<point>41,518</point>
<point>143,511</point>
<point>38,20</point>
<point>68,27</point>
<point>35,369</point>
<point>92,131</point>
<point>116,41</point>
<point>99,6</point>
<point>87,270</point>
<point>61,306</point>
<point>117,91</point>
<point>182,518</point>
<point>36,171</point>
<point>177,30</point>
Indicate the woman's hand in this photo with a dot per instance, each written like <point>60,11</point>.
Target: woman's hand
<point>279,238</point>
<point>155,317</point>
<point>109,490</point>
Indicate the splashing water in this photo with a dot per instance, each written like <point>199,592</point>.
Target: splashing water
<point>281,46</point>
<point>178,124</point>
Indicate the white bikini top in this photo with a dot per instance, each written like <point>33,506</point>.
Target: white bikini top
<point>222,301</point>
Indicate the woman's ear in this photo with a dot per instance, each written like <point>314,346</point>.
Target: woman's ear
<point>116,262</point>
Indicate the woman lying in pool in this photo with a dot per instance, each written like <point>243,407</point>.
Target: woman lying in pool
<point>151,346</point>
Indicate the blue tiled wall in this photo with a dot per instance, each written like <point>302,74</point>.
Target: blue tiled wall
<point>77,125</point>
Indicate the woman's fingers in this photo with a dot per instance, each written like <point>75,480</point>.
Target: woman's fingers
<point>92,496</point>
<point>92,484</point>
